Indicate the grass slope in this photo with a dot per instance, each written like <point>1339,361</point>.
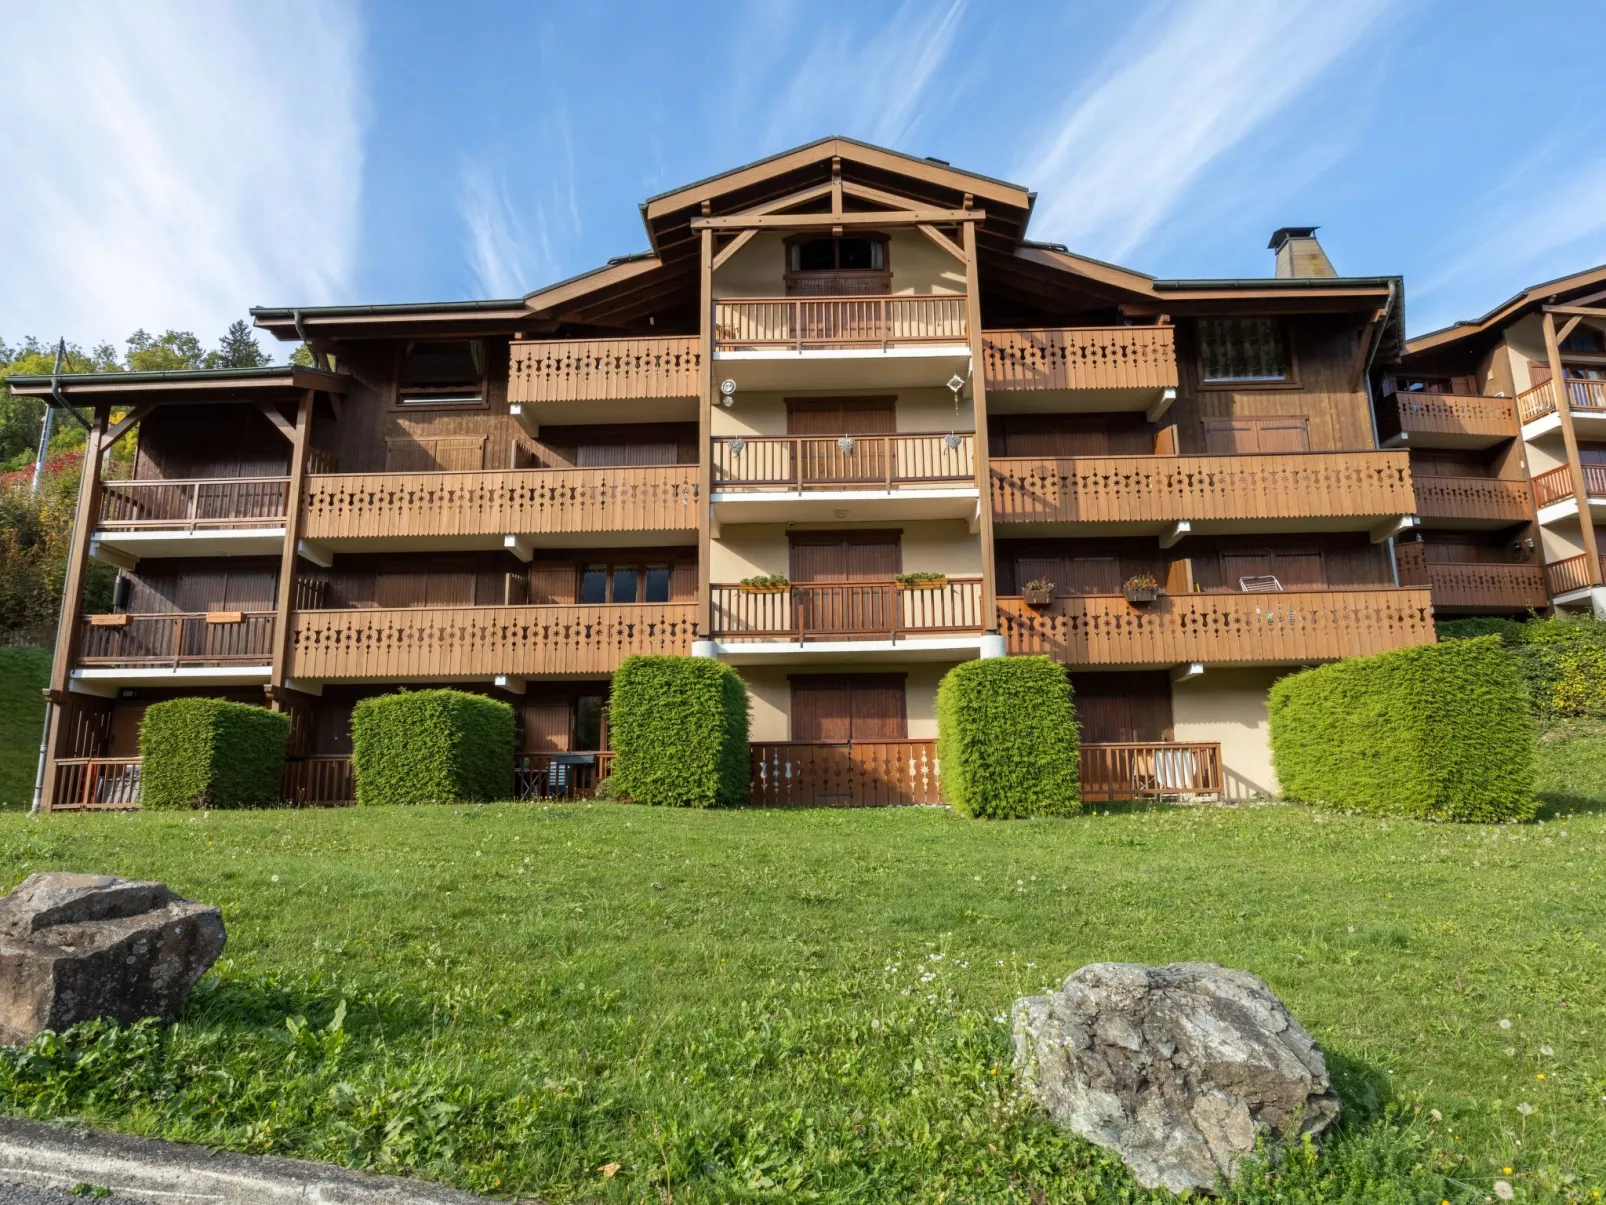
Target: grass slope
<point>24,672</point>
<point>612,1003</point>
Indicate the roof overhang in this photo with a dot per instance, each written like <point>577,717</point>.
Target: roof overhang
<point>1508,311</point>
<point>180,385</point>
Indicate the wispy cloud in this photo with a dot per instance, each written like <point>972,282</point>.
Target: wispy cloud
<point>187,161</point>
<point>1170,99</point>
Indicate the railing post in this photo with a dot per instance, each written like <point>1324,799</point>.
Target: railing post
<point>1569,438</point>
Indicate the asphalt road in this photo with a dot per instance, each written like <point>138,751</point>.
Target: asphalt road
<point>16,1194</point>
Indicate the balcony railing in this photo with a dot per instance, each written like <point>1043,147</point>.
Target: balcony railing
<point>838,322</point>
<point>1565,576</point>
<point>446,642</point>
<point>583,370</point>
<point>96,784</point>
<point>1464,417</point>
<point>516,501</point>
<point>793,462</point>
<point>1116,357</point>
<point>1266,629</point>
<point>842,773</point>
<point>1150,771</point>
<point>214,638</point>
<point>1128,489</point>
<point>317,781</point>
<point>1556,485</point>
<point>1583,397</point>
<point>189,505</point>
<point>1453,497</point>
<point>538,776</point>
<point>847,611</point>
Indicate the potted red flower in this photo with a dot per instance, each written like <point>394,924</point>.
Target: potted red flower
<point>1141,588</point>
<point>1039,592</point>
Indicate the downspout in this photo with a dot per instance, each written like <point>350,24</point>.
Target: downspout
<point>301,333</point>
<point>1371,400</point>
<point>49,419</point>
<point>72,532</point>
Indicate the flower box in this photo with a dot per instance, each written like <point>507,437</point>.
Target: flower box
<point>1043,596</point>
<point>765,587</point>
<point>1142,595</point>
<point>922,583</point>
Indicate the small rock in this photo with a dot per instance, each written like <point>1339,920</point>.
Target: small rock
<point>1177,1069</point>
<point>78,946</point>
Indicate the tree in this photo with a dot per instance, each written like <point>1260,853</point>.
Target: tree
<point>165,353</point>
<point>238,349</point>
<point>20,417</point>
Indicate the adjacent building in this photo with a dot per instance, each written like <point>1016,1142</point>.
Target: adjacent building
<point>842,426</point>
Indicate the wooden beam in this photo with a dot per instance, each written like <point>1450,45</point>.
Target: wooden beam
<point>705,439</point>
<point>78,555</point>
<point>299,438</point>
<point>285,426</point>
<point>942,240</point>
<point>1572,323</point>
<point>816,221</point>
<point>775,205</point>
<point>1591,299</point>
<point>836,184</point>
<point>1583,311</point>
<point>978,404</point>
<point>732,247</point>
<point>1569,439</point>
<point>124,425</point>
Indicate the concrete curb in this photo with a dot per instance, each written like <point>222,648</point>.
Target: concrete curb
<point>176,1173</point>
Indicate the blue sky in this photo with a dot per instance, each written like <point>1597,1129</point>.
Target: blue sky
<point>175,163</point>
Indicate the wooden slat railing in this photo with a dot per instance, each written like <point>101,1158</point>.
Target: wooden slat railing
<point>871,462</point>
<point>179,639</point>
<point>1556,485</point>
<point>1267,629</point>
<point>403,644</point>
<point>823,322</point>
<point>1588,396</point>
<point>192,504</point>
<point>847,610</point>
<point>317,781</point>
<point>512,502</point>
<point>1583,396</point>
<point>1461,415</point>
<point>1565,576</point>
<point>842,774</point>
<point>1536,402</point>
<point>96,784</point>
<point>1150,771</point>
<point>539,776</point>
<point>1456,497</point>
<point>1115,357</point>
<point>582,370</point>
<point>1472,585</point>
<point>1125,489</point>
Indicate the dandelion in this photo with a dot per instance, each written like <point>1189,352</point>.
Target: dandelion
<point>1505,1023</point>
<point>875,1024</point>
<point>1511,1052</point>
<point>1505,1171</point>
<point>1541,1075</point>
<point>1504,1191</point>
<point>1525,1109</point>
<point>274,879</point>
<point>1546,1051</point>
<point>1436,1115</point>
<point>1000,1019</point>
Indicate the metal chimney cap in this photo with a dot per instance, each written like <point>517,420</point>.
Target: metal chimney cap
<point>1283,233</point>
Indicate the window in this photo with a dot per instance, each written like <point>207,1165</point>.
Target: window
<point>625,584</point>
<point>588,722</point>
<point>1243,349</point>
<point>443,373</point>
<point>851,264</point>
<point>1585,341</point>
<point>1423,385</point>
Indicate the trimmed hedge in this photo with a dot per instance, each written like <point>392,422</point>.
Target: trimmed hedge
<point>1007,741</point>
<point>432,746</point>
<point>678,727</point>
<point>1562,659</point>
<point>1434,732</point>
<point>210,753</point>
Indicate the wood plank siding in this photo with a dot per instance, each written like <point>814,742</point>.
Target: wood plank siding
<point>1471,420</point>
<point>583,370</point>
<point>1472,498</point>
<point>1117,357</point>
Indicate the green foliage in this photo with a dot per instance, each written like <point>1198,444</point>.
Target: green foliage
<point>35,535</point>
<point>1007,741</point>
<point>238,349</point>
<point>168,352</point>
<point>24,673</point>
<point>431,746</point>
<point>766,579</point>
<point>1561,659</point>
<point>915,579</point>
<point>210,753</point>
<point>679,728</point>
<point>1435,732</point>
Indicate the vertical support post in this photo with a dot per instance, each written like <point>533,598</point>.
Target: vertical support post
<point>287,558</point>
<point>1569,438</point>
<point>978,393</point>
<point>705,438</point>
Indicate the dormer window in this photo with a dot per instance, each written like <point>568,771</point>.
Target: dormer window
<point>826,265</point>
<point>443,373</point>
<point>1584,340</point>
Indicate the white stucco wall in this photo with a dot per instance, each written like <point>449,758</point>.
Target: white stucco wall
<point>1228,706</point>
<point>770,691</point>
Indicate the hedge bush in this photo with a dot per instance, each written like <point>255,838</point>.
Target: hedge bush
<point>1562,660</point>
<point>1007,743</point>
<point>678,726</point>
<point>432,746</point>
<point>210,753</point>
<point>1435,732</point>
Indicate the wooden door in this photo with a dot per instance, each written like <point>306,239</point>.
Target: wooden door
<point>546,727</point>
<point>1123,708</point>
<point>849,707</point>
<point>124,739</point>
<point>822,458</point>
<point>843,582</point>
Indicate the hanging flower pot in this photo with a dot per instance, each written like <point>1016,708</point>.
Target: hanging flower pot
<point>1141,589</point>
<point>768,584</point>
<point>921,581</point>
<point>1038,593</point>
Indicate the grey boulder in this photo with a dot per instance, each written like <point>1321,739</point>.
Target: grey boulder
<point>1178,1069</point>
<point>78,946</point>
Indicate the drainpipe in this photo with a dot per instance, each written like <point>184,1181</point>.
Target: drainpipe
<point>49,420</point>
<point>1371,400</point>
<point>72,532</point>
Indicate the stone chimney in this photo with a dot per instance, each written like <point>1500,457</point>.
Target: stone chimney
<point>1299,254</point>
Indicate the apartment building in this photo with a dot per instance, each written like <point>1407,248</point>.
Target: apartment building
<point>842,426</point>
<point>1505,420</point>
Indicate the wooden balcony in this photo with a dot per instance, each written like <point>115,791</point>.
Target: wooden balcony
<point>842,774</point>
<point>593,370</point>
<point>1150,771</point>
<point>1219,629</point>
<point>348,506</point>
<point>1573,573</point>
<point>218,638</point>
<point>1140,359</point>
<point>463,643</point>
<point>193,505</point>
<point>1584,397</point>
<point>847,611</point>
<point>93,784</point>
<point>825,323</point>
<point>1556,485</point>
<point>1446,420</point>
<point>1451,501</point>
<point>1356,489</point>
<point>573,775</point>
<point>868,462</point>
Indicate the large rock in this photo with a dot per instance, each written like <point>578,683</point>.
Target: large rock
<point>1177,1068</point>
<point>78,946</point>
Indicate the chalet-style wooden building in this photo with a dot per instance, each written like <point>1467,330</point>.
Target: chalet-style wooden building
<point>1505,420</point>
<point>832,369</point>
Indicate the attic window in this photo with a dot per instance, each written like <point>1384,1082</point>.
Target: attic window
<point>1243,349</point>
<point>1584,340</point>
<point>443,373</point>
<point>853,264</point>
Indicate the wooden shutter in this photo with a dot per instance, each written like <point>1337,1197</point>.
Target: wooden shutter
<point>1123,708</point>
<point>683,582</point>
<point>818,559</point>
<point>1226,436</point>
<point>878,707</point>
<point>250,590</point>
<point>842,707</point>
<point>546,727</point>
<point>449,588</point>
<point>841,416</point>
<point>1238,565</point>
<point>1284,433</point>
<point>872,560</point>
<point>606,456</point>
<point>1053,568</point>
<point>1300,569</point>
<point>1538,373</point>
<point>125,721</point>
<point>552,582</point>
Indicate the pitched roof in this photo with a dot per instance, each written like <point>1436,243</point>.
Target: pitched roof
<point>1510,310</point>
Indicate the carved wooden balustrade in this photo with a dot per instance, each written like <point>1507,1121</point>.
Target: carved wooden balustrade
<point>1127,489</point>
<point>1450,496</point>
<point>188,505</point>
<point>404,644</point>
<point>847,611</point>
<point>201,638</point>
<point>1463,416</point>
<point>1473,585</point>
<point>1115,357</point>
<point>867,462</point>
<point>842,773</point>
<point>837,322</point>
<point>512,502</point>
<point>1275,628</point>
<point>581,370</point>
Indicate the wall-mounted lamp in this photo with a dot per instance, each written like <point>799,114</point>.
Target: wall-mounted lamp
<point>727,391</point>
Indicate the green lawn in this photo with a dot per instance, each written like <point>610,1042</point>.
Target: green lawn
<point>24,672</point>
<point>803,1005</point>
